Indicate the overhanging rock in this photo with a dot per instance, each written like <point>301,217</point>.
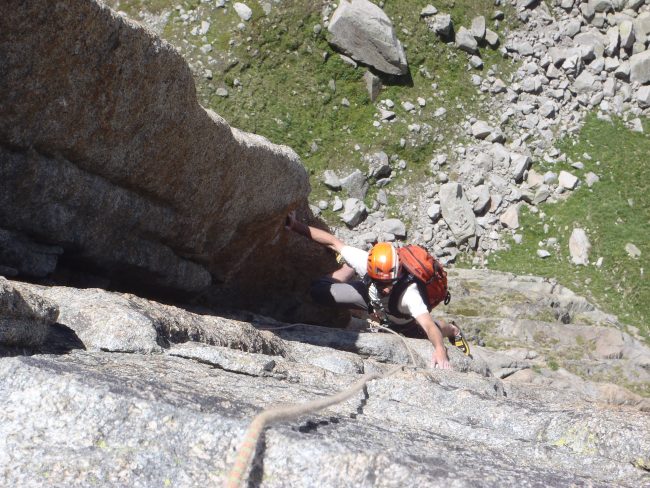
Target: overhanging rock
<point>106,153</point>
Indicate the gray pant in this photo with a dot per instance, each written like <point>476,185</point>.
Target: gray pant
<point>350,295</point>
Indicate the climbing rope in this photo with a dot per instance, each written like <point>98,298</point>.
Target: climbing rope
<point>408,348</point>
<point>246,449</point>
<point>373,325</point>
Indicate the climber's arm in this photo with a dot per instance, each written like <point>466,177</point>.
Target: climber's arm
<point>440,358</point>
<point>317,235</point>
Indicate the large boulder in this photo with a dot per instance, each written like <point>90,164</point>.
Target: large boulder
<point>364,32</point>
<point>107,157</point>
<point>457,211</point>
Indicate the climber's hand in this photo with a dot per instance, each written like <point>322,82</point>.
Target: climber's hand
<point>440,359</point>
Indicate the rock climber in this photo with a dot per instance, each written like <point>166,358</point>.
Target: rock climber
<point>377,272</point>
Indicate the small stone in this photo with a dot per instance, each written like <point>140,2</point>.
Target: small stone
<point>434,212</point>
<point>510,218</point>
<point>337,205</point>
<point>378,165</point>
<point>478,28</point>
<point>520,164</point>
<point>480,129</point>
<point>442,24</point>
<point>636,125</point>
<point>476,62</point>
<point>567,180</point>
<point>543,253</point>
<point>373,85</point>
<point>492,38</point>
<point>640,67</point>
<point>428,11</point>
<point>244,12</point>
<point>386,114</point>
<point>632,250</point>
<point>393,226</point>
<point>579,247</point>
<point>465,41</point>
<point>550,178</point>
<point>408,106</point>
<point>601,5</point>
<point>355,184</point>
<point>382,197</point>
<point>354,212</point>
<point>643,96</point>
<point>331,180</point>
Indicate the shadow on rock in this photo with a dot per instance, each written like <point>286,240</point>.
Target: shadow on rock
<point>58,340</point>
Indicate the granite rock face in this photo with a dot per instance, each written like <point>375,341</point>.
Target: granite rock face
<point>107,158</point>
<point>176,415</point>
<point>119,419</point>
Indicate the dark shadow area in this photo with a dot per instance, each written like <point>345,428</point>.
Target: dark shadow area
<point>386,79</point>
<point>393,80</point>
<point>13,351</point>
<point>451,37</point>
<point>364,400</point>
<point>312,426</point>
<point>81,272</point>
<point>59,340</point>
<point>257,463</point>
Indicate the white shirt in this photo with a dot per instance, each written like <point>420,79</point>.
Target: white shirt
<point>410,303</point>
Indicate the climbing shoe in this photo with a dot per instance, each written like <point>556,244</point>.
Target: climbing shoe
<point>460,342</point>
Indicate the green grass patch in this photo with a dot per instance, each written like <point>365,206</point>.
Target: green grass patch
<point>285,81</point>
<point>553,364</point>
<point>133,7</point>
<point>616,211</point>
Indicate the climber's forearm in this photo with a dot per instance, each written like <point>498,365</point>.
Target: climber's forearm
<point>315,234</point>
<point>326,239</point>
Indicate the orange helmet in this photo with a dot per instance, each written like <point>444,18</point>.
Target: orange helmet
<point>383,262</point>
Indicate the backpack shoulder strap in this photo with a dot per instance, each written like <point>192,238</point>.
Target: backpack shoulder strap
<point>396,294</point>
<point>366,294</point>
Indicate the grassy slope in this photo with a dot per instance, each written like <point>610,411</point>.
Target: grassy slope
<point>285,92</point>
<point>614,212</point>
